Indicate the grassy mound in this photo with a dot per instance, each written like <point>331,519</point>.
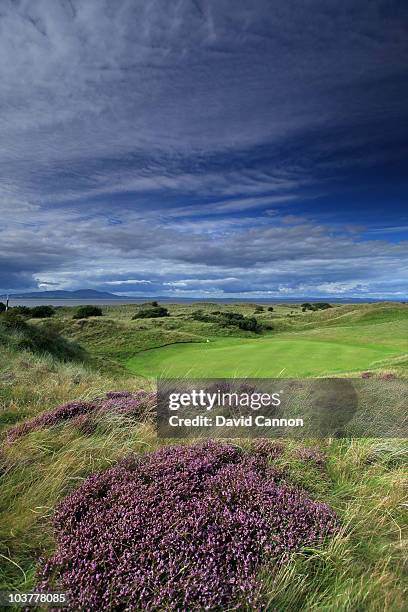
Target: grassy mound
<point>45,337</point>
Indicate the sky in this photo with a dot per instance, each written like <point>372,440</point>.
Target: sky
<point>205,148</point>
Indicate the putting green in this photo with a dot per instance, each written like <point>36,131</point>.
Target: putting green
<point>266,357</point>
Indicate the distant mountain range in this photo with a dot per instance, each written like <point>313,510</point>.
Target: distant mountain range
<point>93,294</point>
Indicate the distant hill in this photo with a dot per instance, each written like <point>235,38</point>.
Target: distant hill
<point>80,294</point>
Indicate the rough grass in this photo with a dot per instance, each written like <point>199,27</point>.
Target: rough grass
<point>364,481</point>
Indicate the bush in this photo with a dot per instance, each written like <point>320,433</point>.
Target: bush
<point>199,315</point>
<point>132,405</point>
<point>230,318</point>
<point>236,319</point>
<point>42,312</point>
<point>322,305</point>
<point>316,306</point>
<point>270,309</point>
<point>13,320</point>
<point>24,311</point>
<point>259,309</point>
<point>84,312</point>
<point>2,307</point>
<point>250,324</point>
<point>183,528</point>
<point>151,313</point>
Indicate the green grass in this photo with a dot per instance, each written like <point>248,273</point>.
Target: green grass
<point>265,357</point>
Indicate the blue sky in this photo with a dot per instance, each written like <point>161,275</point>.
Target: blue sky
<point>204,147</point>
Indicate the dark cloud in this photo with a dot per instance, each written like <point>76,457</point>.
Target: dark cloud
<point>204,146</point>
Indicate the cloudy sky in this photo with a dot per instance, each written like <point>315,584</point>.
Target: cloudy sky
<point>204,147</point>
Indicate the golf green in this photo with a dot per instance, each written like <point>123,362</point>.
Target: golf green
<point>264,357</point>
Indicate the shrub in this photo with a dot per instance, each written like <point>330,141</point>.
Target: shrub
<point>259,309</point>
<point>134,405</point>
<point>230,318</point>
<point>313,454</point>
<point>323,305</point>
<point>84,312</point>
<point>23,311</point>
<point>199,315</point>
<point>270,309</point>
<point>13,320</point>
<point>270,449</point>
<point>183,528</point>
<point>234,318</point>
<point>2,307</point>
<point>151,313</point>
<point>250,324</point>
<point>316,306</point>
<point>42,312</point>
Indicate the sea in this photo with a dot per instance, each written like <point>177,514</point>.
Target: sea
<point>174,300</point>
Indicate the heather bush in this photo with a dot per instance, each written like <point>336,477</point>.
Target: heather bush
<point>184,528</point>
<point>85,423</point>
<point>134,405</point>
<point>268,448</point>
<point>313,454</point>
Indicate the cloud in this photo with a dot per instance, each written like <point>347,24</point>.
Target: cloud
<point>147,145</point>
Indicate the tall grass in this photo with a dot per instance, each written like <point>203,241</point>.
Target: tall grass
<point>362,567</point>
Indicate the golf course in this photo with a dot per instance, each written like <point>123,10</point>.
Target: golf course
<point>266,357</point>
<point>342,340</point>
<point>77,398</point>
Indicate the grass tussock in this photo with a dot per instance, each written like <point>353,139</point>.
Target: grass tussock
<point>362,567</point>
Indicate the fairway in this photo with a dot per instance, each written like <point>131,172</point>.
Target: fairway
<point>266,357</point>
